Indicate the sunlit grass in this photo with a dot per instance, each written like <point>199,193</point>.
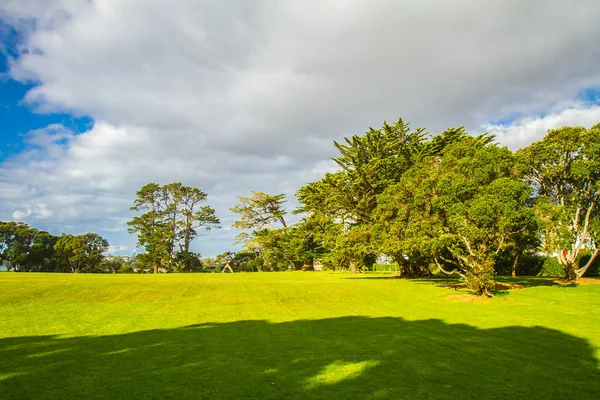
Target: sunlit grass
<point>291,335</point>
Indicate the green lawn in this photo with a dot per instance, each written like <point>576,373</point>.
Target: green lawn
<point>292,335</point>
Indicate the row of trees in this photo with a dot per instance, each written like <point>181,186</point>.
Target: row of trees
<point>454,203</point>
<point>23,248</point>
<point>172,216</point>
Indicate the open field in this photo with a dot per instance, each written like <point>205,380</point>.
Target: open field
<point>292,335</point>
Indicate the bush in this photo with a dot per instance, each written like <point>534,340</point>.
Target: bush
<point>539,265</point>
<point>386,267</point>
<point>126,269</point>
<point>529,264</point>
<point>551,268</point>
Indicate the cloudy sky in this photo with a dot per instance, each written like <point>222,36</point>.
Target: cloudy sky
<point>99,97</point>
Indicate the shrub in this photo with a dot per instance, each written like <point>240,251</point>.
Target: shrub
<point>126,269</point>
<point>386,267</point>
<point>552,268</point>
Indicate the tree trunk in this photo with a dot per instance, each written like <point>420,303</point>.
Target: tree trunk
<point>401,265</point>
<point>514,267</point>
<point>570,272</point>
<point>353,267</point>
<point>480,278</point>
<point>155,269</point>
<point>309,265</point>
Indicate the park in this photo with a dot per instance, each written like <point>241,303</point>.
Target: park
<point>299,200</point>
<point>449,268</point>
<point>280,335</point>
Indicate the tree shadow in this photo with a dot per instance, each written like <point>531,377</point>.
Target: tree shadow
<point>503,283</point>
<point>349,357</point>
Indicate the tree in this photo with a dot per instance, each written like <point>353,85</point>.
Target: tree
<point>264,215</point>
<point>112,264</point>
<point>403,216</point>
<point>187,261</point>
<point>260,211</point>
<point>26,248</point>
<point>193,217</point>
<point>172,217</point>
<point>564,170</point>
<point>369,164</point>
<point>302,243</point>
<point>154,234</point>
<point>82,253</point>
<point>41,255</point>
<point>16,239</point>
<point>460,209</point>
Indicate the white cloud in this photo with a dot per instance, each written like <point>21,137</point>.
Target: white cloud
<point>237,96</point>
<point>21,215</point>
<point>39,211</point>
<point>522,132</point>
<point>119,250</point>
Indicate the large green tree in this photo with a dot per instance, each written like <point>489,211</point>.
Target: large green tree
<point>403,217</point>
<point>172,217</point>
<point>564,170</point>
<point>368,163</point>
<point>460,209</point>
<point>27,248</point>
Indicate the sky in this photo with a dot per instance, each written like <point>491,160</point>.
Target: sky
<point>99,97</point>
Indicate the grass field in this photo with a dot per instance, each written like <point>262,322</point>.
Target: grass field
<point>292,335</point>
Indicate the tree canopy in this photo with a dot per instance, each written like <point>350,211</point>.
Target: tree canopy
<point>564,170</point>
<point>173,216</point>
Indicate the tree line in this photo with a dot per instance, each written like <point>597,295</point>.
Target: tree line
<point>452,203</point>
<point>27,249</point>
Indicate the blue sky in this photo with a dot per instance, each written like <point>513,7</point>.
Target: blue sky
<point>235,96</point>
<point>18,118</point>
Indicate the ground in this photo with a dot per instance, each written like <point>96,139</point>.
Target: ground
<point>293,335</point>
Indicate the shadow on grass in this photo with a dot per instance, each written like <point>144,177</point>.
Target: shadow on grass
<point>503,283</point>
<point>349,357</point>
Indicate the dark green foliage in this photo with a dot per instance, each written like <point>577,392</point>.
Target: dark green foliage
<point>269,243</point>
<point>459,209</point>
<point>343,203</point>
<point>111,264</point>
<point>82,253</point>
<point>593,270</point>
<point>126,269</point>
<point>385,267</point>
<point>187,261</point>
<point>27,249</point>
<point>551,268</point>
